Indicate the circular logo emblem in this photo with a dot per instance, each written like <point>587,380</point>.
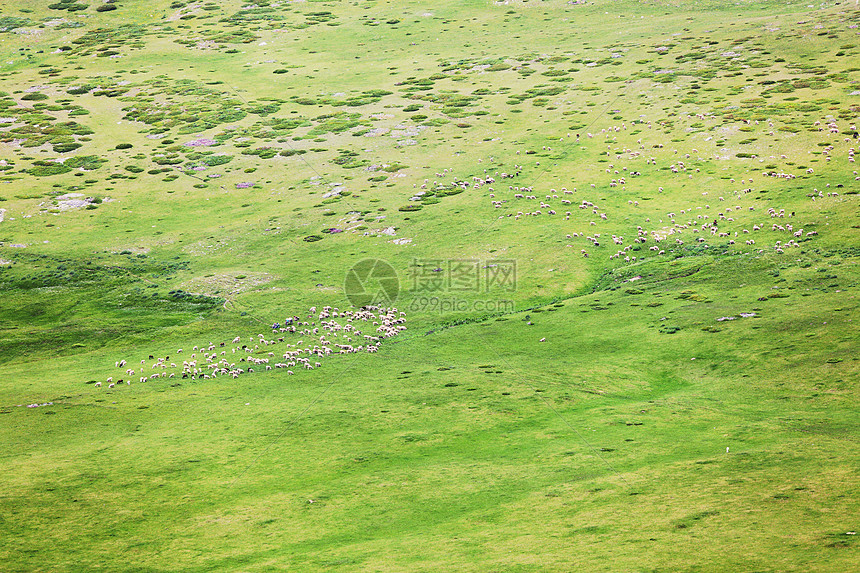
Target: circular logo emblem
<point>371,282</point>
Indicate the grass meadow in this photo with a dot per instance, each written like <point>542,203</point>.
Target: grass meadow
<point>624,236</point>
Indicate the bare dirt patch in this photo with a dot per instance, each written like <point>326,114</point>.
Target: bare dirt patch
<point>226,284</point>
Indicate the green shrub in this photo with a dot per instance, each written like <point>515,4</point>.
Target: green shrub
<point>65,147</point>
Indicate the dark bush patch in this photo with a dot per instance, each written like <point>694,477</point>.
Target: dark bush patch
<point>65,147</point>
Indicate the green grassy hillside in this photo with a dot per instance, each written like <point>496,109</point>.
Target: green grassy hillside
<point>621,239</point>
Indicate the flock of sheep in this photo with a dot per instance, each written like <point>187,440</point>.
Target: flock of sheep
<point>211,360</point>
<point>694,223</point>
